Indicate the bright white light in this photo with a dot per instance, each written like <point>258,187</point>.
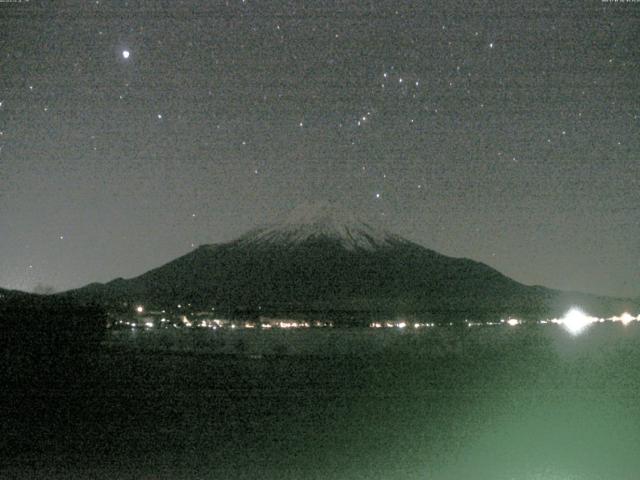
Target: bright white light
<point>149,324</point>
<point>125,54</point>
<point>139,309</point>
<point>575,321</point>
<point>402,325</point>
<point>625,318</point>
<point>512,322</point>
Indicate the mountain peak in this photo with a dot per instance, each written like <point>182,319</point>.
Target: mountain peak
<point>324,220</point>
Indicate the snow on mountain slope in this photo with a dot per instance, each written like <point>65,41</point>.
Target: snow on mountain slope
<point>322,221</point>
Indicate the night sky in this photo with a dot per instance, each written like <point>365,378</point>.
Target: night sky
<point>507,132</point>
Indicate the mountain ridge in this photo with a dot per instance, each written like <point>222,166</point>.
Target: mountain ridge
<point>319,261</point>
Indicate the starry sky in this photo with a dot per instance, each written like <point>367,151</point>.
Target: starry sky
<point>507,132</point>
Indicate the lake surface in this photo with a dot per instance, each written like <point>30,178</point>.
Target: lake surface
<point>526,402</point>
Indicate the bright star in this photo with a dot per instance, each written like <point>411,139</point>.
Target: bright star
<point>125,54</point>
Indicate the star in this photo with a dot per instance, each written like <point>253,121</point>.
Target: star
<point>125,54</point>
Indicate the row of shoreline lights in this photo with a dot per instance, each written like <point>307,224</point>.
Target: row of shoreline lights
<point>575,321</point>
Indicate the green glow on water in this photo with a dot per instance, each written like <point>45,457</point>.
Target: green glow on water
<point>513,403</point>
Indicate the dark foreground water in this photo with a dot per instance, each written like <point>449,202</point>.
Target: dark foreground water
<point>483,403</point>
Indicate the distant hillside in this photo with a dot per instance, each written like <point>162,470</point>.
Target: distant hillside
<point>42,337</point>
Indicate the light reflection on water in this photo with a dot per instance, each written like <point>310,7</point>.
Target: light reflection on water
<point>524,402</point>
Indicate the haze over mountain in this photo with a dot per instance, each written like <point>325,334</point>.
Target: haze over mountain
<point>322,261</point>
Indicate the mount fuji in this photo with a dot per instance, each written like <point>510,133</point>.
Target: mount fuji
<point>322,261</point>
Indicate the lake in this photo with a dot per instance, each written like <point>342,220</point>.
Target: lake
<point>524,402</point>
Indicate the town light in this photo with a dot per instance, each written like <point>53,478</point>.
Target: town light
<point>626,318</point>
<point>575,321</point>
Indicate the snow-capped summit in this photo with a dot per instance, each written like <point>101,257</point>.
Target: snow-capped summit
<point>323,220</point>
